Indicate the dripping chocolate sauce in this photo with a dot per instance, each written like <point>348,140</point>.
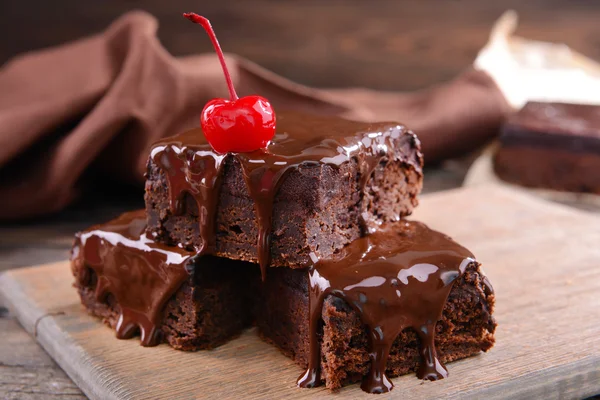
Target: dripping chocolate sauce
<point>141,274</point>
<point>396,278</point>
<point>192,166</point>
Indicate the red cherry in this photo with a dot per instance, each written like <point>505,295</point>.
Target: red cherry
<point>239,124</point>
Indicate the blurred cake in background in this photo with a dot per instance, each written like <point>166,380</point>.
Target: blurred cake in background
<point>552,146</point>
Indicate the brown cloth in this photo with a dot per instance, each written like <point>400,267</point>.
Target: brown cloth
<point>99,103</point>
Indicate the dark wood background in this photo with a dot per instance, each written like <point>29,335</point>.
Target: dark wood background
<point>383,44</point>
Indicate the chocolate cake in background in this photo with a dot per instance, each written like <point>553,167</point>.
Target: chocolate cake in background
<point>552,146</point>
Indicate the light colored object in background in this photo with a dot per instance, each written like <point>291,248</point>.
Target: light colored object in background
<point>527,70</point>
<point>482,172</point>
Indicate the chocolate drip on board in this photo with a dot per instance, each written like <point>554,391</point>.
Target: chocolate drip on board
<point>397,278</point>
<point>141,274</point>
<point>192,166</point>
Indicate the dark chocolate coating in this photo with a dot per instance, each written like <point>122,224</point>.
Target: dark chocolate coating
<point>394,279</point>
<point>465,329</point>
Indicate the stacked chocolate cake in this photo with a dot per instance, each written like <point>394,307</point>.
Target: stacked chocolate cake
<point>305,239</point>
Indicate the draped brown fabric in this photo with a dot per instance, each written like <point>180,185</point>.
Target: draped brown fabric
<point>100,102</point>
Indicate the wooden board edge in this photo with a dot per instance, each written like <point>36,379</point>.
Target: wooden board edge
<point>576,380</point>
<point>46,332</point>
<point>579,379</point>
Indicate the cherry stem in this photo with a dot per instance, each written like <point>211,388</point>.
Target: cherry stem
<point>205,23</point>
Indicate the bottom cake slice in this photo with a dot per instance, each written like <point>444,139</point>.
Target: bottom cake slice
<point>346,344</point>
<point>466,328</point>
<point>401,300</point>
<point>160,292</point>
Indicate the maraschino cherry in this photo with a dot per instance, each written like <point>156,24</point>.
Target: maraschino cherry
<point>238,124</point>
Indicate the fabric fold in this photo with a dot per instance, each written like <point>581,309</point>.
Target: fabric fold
<point>97,105</point>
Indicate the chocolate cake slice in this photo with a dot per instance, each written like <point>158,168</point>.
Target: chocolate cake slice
<point>162,293</point>
<point>552,146</point>
<point>322,182</point>
<point>425,303</point>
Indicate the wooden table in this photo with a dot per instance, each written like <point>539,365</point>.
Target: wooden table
<point>381,44</point>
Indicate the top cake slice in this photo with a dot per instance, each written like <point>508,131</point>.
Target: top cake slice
<point>321,183</point>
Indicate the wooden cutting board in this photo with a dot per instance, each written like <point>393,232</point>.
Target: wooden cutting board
<point>543,260</point>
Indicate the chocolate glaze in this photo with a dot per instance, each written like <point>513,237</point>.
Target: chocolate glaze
<point>140,273</point>
<point>396,278</point>
<point>193,167</point>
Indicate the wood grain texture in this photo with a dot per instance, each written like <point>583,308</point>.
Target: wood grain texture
<point>383,44</point>
<point>26,371</point>
<point>543,260</point>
